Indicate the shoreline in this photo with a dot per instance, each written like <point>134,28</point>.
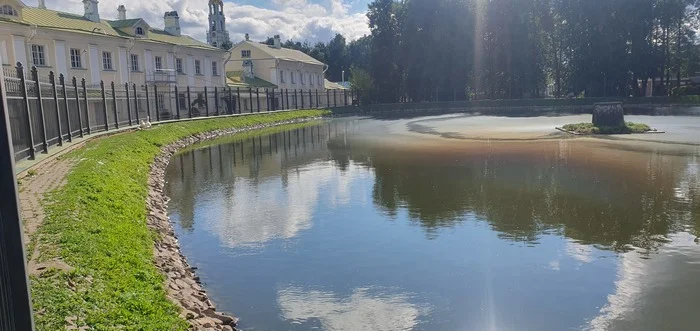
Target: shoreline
<point>181,282</point>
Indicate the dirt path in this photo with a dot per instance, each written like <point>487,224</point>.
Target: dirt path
<point>32,191</point>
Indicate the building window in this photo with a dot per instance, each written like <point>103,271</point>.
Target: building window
<point>139,31</point>
<point>107,61</point>
<point>38,55</point>
<point>75,58</point>
<point>281,76</point>
<point>8,10</point>
<point>159,63</point>
<point>301,76</point>
<point>294,79</point>
<point>214,68</point>
<point>135,62</point>
<point>245,53</point>
<point>311,79</point>
<point>178,65</point>
<point>320,82</point>
<point>197,67</point>
<point>214,44</point>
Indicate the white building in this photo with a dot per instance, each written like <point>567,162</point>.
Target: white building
<point>126,50</point>
<point>283,67</point>
<point>217,35</point>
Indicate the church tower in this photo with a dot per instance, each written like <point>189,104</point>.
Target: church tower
<point>217,34</point>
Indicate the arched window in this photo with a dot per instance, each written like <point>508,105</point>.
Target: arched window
<point>8,10</point>
<point>213,27</point>
<point>139,31</point>
<point>214,44</point>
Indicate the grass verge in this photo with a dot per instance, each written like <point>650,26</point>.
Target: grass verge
<point>589,128</point>
<point>96,223</point>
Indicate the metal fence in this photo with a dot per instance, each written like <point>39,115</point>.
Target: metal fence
<point>48,111</point>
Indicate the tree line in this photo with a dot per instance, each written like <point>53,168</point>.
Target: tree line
<point>507,49</point>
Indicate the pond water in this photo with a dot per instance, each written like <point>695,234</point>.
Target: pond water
<point>363,224</point>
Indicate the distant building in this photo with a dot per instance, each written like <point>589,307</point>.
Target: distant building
<point>217,35</point>
<point>282,67</point>
<point>126,50</point>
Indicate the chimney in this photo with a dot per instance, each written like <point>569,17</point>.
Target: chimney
<point>42,4</point>
<point>247,37</point>
<point>278,42</point>
<point>91,11</point>
<point>122,12</point>
<point>172,23</point>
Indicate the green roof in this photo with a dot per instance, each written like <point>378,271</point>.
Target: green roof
<point>51,19</point>
<point>124,23</point>
<point>283,53</point>
<point>236,79</point>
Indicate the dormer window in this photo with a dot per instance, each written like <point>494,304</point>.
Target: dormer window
<point>8,10</point>
<point>139,31</point>
<point>245,53</point>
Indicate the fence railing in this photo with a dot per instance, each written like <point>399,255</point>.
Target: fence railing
<point>48,111</point>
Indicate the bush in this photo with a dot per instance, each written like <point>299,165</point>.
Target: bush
<point>686,90</point>
<point>589,128</point>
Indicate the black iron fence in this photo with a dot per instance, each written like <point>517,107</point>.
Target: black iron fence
<point>48,111</point>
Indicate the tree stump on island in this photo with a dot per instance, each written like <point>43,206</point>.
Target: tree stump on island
<point>608,114</point>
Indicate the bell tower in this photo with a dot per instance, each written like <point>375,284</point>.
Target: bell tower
<point>217,35</point>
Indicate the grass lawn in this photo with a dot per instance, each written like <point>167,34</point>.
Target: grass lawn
<point>589,128</point>
<point>96,223</point>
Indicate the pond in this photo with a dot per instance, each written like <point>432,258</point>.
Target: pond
<point>381,224</point>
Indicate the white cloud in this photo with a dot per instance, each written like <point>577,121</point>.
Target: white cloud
<point>292,19</point>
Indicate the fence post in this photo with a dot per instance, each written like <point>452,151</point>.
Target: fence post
<point>16,306</point>
<point>114,107</point>
<point>42,120</point>
<point>257,98</point>
<point>104,103</point>
<point>177,102</point>
<point>206,102</point>
<point>62,80</point>
<point>128,103</point>
<point>311,100</point>
<point>77,103</point>
<point>238,99</point>
<point>250,93</point>
<point>155,92</point>
<point>25,103</point>
<point>267,99</point>
<point>345,97</point>
<point>189,101</point>
<point>87,106</point>
<point>136,105</point>
<point>328,98</point>
<point>318,101</point>
<point>52,80</point>
<point>301,94</point>
<point>231,106</point>
<point>216,100</point>
<point>289,106</point>
<point>335,98</point>
<point>148,105</point>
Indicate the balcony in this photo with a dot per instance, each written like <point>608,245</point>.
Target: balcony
<point>168,76</point>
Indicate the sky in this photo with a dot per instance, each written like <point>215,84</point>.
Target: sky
<point>312,20</point>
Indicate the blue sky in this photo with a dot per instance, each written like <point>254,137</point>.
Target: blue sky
<point>313,20</point>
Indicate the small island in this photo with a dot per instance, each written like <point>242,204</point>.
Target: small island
<point>608,118</point>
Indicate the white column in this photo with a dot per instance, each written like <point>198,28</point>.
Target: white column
<point>207,71</point>
<point>3,53</point>
<point>148,61</point>
<point>190,70</point>
<point>170,61</point>
<point>95,64</point>
<point>20,47</point>
<point>123,66</point>
<point>61,63</point>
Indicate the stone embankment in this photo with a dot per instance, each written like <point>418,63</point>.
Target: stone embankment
<point>183,286</point>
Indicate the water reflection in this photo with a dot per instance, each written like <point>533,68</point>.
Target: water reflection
<point>364,309</point>
<point>550,235</point>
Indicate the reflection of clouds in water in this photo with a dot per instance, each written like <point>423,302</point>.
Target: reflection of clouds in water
<point>257,212</point>
<point>579,252</point>
<point>650,288</point>
<point>365,309</point>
